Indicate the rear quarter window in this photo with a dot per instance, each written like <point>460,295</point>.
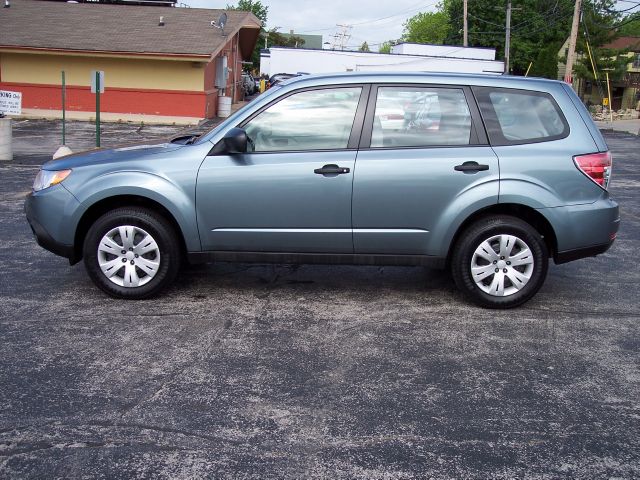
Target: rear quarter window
<point>515,117</point>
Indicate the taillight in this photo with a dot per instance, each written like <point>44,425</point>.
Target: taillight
<point>596,166</point>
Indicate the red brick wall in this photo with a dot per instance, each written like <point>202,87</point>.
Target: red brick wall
<point>115,100</point>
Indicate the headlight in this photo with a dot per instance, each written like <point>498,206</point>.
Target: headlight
<point>48,178</point>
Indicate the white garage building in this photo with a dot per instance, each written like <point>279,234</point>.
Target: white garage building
<point>404,57</point>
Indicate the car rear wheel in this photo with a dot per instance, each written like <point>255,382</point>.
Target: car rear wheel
<point>500,262</point>
<point>131,253</point>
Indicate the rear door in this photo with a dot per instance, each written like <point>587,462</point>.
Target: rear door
<point>414,177</point>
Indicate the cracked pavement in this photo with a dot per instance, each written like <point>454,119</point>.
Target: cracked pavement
<point>258,371</point>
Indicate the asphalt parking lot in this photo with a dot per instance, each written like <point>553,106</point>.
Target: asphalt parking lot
<point>244,371</point>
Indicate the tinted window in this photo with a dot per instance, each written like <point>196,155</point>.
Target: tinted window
<point>414,117</point>
<point>518,116</point>
<point>311,120</point>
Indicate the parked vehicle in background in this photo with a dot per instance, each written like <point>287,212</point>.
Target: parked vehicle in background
<point>280,77</point>
<point>494,178</point>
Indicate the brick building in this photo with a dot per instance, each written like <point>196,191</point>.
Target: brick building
<point>158,62</point>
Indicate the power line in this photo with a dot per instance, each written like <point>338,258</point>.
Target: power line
<point>417,6</point>
<point>551,12</point>
<point>625,10</point>
<point>547,15</point>
<point>429,4</point>
<point>514,30</point>
<point>485,21</point>
<point>635,16</point>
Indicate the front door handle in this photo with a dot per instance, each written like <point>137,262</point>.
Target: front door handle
<point>331,169</point>
<point>471,167</point>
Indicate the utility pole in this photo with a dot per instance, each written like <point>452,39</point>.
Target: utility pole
<point>465,28</point>
<point>507,40</point>
<point>568,74</point>
<point>340,39</point>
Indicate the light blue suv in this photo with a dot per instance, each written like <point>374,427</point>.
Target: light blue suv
<point>489,176</point>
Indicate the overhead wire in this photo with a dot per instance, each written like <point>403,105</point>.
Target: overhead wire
<point>483,20</point>
<point>549,15</point>
<point>417,6</point>
<point>625,10</point>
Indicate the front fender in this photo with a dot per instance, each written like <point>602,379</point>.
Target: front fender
<point>177,200</point>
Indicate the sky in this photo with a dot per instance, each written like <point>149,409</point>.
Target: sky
<point>374,21</point>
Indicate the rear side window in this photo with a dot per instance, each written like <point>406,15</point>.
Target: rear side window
<point>515,117</point>
<point>420,117</point>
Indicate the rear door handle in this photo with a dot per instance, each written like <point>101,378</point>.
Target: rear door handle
<point>331,169</point>
<point>471,167</point>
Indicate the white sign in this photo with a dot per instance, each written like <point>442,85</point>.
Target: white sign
<point>10,102</point>
<point>93,80</point>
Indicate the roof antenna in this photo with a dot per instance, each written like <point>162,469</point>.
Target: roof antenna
<point>161,23</point>
<point>222,21</point>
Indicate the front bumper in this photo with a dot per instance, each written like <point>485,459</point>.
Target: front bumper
<point>48,213</point>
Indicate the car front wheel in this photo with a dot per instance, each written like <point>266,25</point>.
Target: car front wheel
<point>131,253</point>
<point>500,262</point>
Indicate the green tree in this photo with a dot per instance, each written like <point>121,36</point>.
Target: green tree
<point>535,25</point>
<point>427,27</point>
<point>630,26</point>
<point>277,39</point>
<point>385,47</point>
<point>546,63</point>
<point>600,22</point>
<point>606,60</point>
<point>259,10</point>
<point>364,47</point>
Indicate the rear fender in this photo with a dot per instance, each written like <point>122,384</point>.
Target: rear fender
<point>468,202</point>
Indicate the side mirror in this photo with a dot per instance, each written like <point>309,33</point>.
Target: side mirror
<point>235,141</point>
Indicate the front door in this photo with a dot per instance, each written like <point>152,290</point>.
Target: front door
<point>422,162</point>
<point>292,191</point>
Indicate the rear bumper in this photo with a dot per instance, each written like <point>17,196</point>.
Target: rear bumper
<point>599,223</point>
<point>578,253</point>
<point>583,230</point>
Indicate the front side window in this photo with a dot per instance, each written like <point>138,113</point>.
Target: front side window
<point>309,120</point>
<point>415,117</point>
<point>520,116</point>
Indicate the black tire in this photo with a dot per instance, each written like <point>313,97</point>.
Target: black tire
<point>487,228</point>
<point>149,222</point>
